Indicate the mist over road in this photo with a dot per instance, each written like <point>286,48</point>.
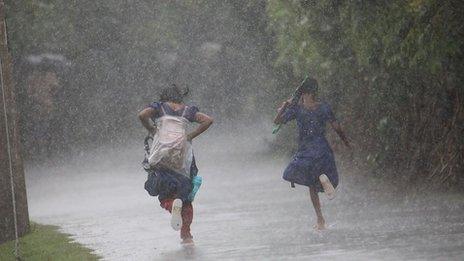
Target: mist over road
<point>244,211</point>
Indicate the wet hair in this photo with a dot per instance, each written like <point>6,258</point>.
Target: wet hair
<point>173,94</point>
<point>310,86</point>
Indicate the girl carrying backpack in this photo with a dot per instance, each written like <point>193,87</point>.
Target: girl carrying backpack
<point>170,163</point>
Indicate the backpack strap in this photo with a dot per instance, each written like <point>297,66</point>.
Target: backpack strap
<point>185,111</point>
<point>162,109</point>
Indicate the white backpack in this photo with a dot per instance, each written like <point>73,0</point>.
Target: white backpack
<point>170,148</point>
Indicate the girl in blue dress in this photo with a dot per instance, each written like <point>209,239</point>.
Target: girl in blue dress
<point>313,165</point>
<point>167,184</point>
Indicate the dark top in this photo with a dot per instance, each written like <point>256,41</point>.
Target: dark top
<point>314,155</point>
<point>189,114</point>
<point>311,123</point>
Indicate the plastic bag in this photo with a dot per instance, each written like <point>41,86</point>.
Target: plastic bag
<point>170,148</point>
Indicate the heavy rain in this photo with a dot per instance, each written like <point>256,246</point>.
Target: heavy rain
<point>288,104</point>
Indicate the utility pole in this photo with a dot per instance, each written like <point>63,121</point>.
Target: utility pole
<point>14,217</point>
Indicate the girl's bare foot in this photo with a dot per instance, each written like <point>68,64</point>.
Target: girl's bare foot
<point>320,224</point>
<point>187,241</point>
<point>328,187</point>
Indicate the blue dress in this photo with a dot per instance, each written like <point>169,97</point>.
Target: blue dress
<point>314,156</point>
<point>166,183</point>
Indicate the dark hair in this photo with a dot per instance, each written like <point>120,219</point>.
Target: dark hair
<point>173,94</point>
<point>310,85</point>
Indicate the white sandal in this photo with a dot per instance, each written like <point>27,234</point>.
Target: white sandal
<point>176,214</point>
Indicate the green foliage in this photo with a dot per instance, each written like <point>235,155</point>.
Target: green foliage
<point>391,68</point>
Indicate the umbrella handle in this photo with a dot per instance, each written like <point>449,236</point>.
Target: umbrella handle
<point>276,128</point>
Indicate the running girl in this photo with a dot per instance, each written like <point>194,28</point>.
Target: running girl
<point>171,181</point>
<point>313,165</point>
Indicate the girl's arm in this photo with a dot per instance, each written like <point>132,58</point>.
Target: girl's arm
<point>144,116</point>
<point>205,121</point>
<point>280,111</point>
<point>338,129</point>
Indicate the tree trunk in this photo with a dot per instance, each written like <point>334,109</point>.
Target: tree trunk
<point>10,152</point>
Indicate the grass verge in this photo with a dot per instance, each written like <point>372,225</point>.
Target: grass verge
<point>46,243</point>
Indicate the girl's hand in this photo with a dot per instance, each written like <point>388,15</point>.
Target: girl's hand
<point>152,131</point>
<point>348,144</point>
<point>346,141</point>
<point>284,105</point>
<point>288,102</point>
<point>281,110</point>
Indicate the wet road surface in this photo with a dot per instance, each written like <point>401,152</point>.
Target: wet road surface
<point>244,211</point>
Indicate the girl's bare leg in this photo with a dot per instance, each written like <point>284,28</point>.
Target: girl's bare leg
<point>317,207</point>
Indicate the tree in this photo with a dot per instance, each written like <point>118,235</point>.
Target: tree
<point>391,69</point>
<point>14,220</point>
